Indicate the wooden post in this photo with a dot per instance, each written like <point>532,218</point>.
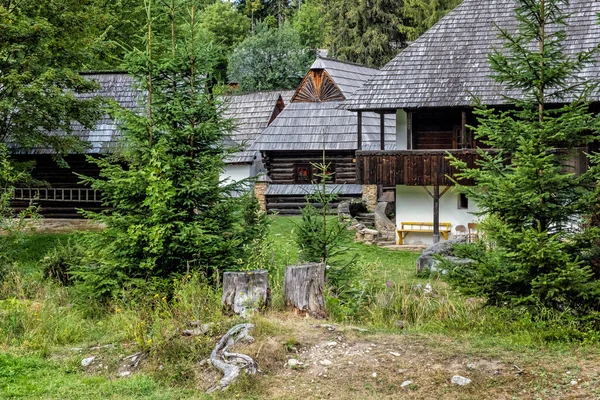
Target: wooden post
<point>303,289</point>
<point>463,131</point>
<point>436,214</point>
<point>359,130</point>
<point>382,130</point>
<point>409,130</point>
<point>245,292</point>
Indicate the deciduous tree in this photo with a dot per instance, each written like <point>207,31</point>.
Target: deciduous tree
<point>43,46</point>
<point>270,59</point>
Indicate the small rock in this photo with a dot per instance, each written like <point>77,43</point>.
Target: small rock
<point>402,371</point>
<point>199,331</point>
<point>124,374</point>
<point>350,363</point>
<point>460,380</point>
<point>325,362</point>
<point>471,366</point>
<point>86,362</point>
<point>332,344</point>
<point>374,375</point>
<point>395,354</point>
<point>428,289</point>
<point>574,382</point>
<point>405,384</point>
<point>293,363</point>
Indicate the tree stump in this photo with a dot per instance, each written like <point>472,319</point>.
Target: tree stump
<point>245,292</point>
<point>303,289</point>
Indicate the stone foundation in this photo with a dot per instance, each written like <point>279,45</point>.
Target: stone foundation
<point>369,196</point>
<point>260,188</point>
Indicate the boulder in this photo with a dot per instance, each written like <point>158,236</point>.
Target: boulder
<point>369,235</point>
<point>428,261</point>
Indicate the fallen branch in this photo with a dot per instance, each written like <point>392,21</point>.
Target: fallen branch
<point>231,364</point>
<point>519,370</point>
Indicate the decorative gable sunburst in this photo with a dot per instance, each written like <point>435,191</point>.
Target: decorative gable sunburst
<point>316,87</point>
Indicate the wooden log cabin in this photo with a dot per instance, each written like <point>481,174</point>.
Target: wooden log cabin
<point>251,113</point>
<point>430,87</point>
<point>58,189</point>
<point>312,124</point>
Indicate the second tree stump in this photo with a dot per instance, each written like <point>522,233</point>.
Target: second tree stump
<point>303,289</point>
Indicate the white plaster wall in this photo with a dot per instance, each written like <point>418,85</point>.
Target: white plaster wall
<point>414,204</point>
<point>237,172</point>
<point>401,130</point>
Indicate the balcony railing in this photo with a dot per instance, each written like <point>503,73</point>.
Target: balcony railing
<point>428,167</point>
<point>409,167</point>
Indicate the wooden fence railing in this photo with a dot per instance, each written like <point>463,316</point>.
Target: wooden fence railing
<point>72,195</point>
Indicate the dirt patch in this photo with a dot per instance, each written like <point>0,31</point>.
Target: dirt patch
<point>342,363</point>
<point>51,225</point>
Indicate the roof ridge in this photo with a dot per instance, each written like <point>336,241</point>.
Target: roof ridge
<point>104,72</point>
<point>346,62</point>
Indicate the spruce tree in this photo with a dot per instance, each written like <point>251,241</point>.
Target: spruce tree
<point>540,243</point>
<point>169,212</point>
<point>420,15</point>
<point>365,31</point>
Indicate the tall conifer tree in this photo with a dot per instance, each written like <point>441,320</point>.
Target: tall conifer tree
<point>537,210</point>
<point>169,211</point>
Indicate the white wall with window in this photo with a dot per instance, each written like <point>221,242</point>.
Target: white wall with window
<point>414,204</point>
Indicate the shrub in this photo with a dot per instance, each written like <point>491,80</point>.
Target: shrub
<point>62,259</point>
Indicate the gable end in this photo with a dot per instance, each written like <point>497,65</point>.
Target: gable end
<point>317,86</point>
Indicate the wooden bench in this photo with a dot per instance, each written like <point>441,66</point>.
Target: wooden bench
<point>421,227</point>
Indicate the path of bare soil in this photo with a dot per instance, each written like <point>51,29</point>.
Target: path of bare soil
<point>345,363</point>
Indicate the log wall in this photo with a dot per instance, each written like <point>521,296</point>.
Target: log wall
<point>292,205</point>
<point>281,166</point>
<point>48,174</point>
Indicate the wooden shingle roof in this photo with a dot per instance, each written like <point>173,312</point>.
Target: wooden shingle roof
<point>448,65</point>
<point>113,85</point>
<point>303,190</point>
<point>315,126</point>
<point>348,76</point>
<point>321,124</point>
<point>251,113</point>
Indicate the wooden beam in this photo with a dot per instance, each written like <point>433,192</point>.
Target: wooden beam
<point>382,130</point>
<point>436,214</point>
<point>444,191</point>
<point>359,130</point>
<point>428,191</point>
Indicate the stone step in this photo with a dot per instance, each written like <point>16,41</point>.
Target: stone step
<point>384,243</point>
<point>396,247</point>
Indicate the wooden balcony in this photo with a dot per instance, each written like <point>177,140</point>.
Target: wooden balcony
<point>432,167</point>
<point>410,167</point>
